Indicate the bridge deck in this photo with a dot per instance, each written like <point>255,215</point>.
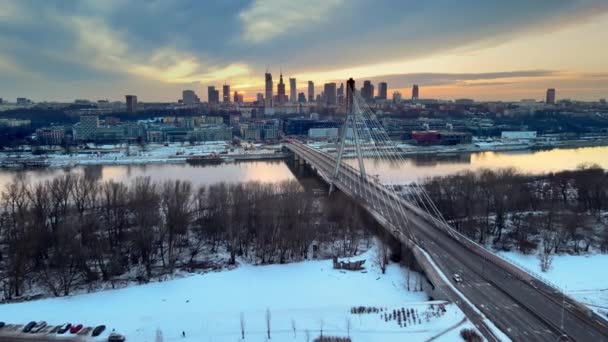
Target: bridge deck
<point>523,307</point>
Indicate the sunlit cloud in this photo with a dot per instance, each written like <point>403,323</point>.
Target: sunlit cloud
<point>268,19</point>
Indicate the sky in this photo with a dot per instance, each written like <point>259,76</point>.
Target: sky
<point>63,50</point>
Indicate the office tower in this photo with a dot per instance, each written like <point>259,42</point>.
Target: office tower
<point>340,95</point>
<point>281,91</point>
<point>329,90</point>
<point>350,88</point>
<point>189,97</point>
<point>301,98</point>
<point>292,90</point>
<point>268,95</point>
<point>311,91</point>
<point>396,96</point>
<point>260,98</point>
<point>550,96</point>
<point>367,92</point>
<point>382,90</point>
<point>238,98</point>
<point>131,103</point>
<point>213,95</point>
<point>226,93</point>
<point>415,92</point>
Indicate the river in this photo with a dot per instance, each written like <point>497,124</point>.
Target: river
<point>408,169</point>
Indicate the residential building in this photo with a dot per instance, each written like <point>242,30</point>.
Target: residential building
<point>50,135</point>
<point>301,98</point>
<point>87,127</point>
<point>397,96</point>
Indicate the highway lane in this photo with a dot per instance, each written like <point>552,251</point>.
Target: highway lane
<point>522,311</point>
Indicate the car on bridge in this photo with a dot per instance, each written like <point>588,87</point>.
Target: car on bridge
<point>456,277</point>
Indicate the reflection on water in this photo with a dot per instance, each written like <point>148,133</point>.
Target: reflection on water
<point>423,166</point>
<point>263,171</point>
<point>411,168</point>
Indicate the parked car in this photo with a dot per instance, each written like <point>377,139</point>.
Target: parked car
<point>55,329</point>
<point>2,324</point>
<point>29,326</point>
<point>98,330</point>
<point>64,328</point>
<point>39,326</point>
<point>115,337</point>
<point>75,328</point>
<point>85,331</point>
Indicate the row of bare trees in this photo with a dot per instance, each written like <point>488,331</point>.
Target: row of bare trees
<point>555,212</point>
<point>74,231</point>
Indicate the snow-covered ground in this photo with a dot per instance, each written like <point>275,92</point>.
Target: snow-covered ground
<point>583,277</point>
<point>209,307</point>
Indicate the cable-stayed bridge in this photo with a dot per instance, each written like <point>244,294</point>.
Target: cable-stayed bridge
<point>493,292</point>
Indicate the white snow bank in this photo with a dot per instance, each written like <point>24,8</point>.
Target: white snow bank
<point>208,307</point>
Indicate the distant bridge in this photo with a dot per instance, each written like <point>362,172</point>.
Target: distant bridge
<point>493,292</point>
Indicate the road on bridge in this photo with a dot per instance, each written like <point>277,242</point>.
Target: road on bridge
<point>523,307</point>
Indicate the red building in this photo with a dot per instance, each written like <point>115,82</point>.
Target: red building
<point>426,137</point>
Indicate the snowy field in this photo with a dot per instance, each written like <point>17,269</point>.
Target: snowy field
<point>583,277</point>
<point>309,295</point>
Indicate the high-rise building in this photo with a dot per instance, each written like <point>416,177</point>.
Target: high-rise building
<point>340,95</point>
<point>350,90</point>
<point>367,92</point>
<point>329,90</point>
<point>396,96</point>
<point>301,98</point>
<point>189,97</point>
<point>415,92</point>
<point>311,91</point>
<point>382,90</point>
<point>226,93</point>
<point>281,91</point>
<point>238,98</point>
<point>292,90</point>
<point>131,103</point>
<point>268,95</point>
<point>260,98</point>
<point>550,96</point>
<point>213,95</point>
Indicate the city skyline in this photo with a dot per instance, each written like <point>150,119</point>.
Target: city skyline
<point>60,50</point>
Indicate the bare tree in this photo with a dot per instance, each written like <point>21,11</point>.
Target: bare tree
<point>268,323</point>
<point>242,319</point>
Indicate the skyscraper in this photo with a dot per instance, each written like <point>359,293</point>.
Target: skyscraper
<point>260,98</point>
<point>329,89</point>
<point>382,90</point>
<point>301,98</point>
<point>340,95</point>
<point>226,93</point>
<point>550,96</point>
<point>281,90</point>
<point>311,91</point>
<point>189,97</point>
<point>367,92</point>
<point>415,94</point>
<point>350,89</point>
<point>213,95</point>
<point>268,95</point>
<point>292,90</point>
<point>131,103</point>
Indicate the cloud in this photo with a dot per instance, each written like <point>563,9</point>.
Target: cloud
<point>265,20</point>
<point>433,79</point>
